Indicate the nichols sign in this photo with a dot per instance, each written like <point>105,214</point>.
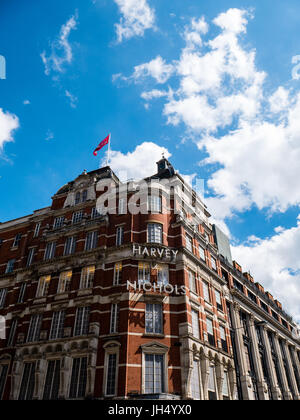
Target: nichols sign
<point>154,252</point>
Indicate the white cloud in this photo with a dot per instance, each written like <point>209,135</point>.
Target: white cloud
<point>233,20</point>
<point>137,17</point>
<point>157,68</point>
<point>137,164</point>
<point>8,124</point>
<point>72,98</point>
<point>279,101</point>
<point>275,263</point>
<point>26,102</point>
<point>251,137</point>
<point>153,94</point>
<point>49,135</point>
<point>61,51</point>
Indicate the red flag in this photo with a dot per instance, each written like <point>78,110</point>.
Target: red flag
<point>102,144</point>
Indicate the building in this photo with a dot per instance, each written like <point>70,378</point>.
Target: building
<point>135,305</point>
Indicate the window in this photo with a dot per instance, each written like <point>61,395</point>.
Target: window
<point>77,198</point>
<point>163,274</point>
<point>87,277</point>
<point>37,230</point>
<point>10,266</point>
<point>119,236</point>
<point>213,263</point>
<point>212,395</point>
<point>12,333</point>
<point>144,273</point>
<point>28,382</point>
<point>3,375</point>
<point>114,318</point>
<point>189,243</point>
<point>153,319</point>
<point>70,245</point>
<point>196,381</point>
<point>34,328</point>
<point>206,294</point>
<point>223,339</point>
<point>82,321</point>
<point>52,382</point>
<point>22,293</point>
<point>57,326</point>
<point>64,284</point>
<point>58,222</point>
<point>155,232</point>
<point>202,253</point>
<point>30,257</point>
<point>84,196</point>
<point>238,285</point>
<point>78,378</point>
<point>210,332</point>
<point>77,217</point>
<point>154,374</point>
<point>111,374</point>
<point>195,324</point>
<point>91,241</point>
<point>122,209</point>
<point>264,306</point>
<point>225,387</point>
<point>95,214</point>
<point>154,204</point>
<point>17,240</point>
<point>43,286</point>
<point>3,293</point>
<point>117,274</point>
<point>251,296</point>
<point>50,251</point>
<point>218,300</point>
<point>192,281</point>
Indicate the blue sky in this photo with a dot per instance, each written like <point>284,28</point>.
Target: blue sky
<point>209,83</point>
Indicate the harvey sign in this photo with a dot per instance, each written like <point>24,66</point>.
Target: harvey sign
<point>154,252</point>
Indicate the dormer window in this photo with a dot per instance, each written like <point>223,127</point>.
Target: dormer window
<point>81,197</point>
<point>84,196</point>
<point>77,198</point>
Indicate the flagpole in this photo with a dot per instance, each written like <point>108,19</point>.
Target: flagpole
<point>108,154</point>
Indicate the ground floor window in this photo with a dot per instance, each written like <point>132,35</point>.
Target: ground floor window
<point>111,374</point>
<point>196,383</point>
<point>3,375</point>
<point>78,378</point>
<point>154,373</point>
<point>28,382</point>
<point>51,388</point>
<point>212,394</point>
<point>225,387</point>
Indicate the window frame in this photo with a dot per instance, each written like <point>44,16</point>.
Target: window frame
<point>154,318</point>
<point>120,235</point>
<point>118,270</point>
<point>65,281</point>
<point>114,318</point>
<point>3,295</point>
<point>50,251</point>
<point>152,233</point>
<point>91,240</point>
<point>82,322</point>
<point>87,277</point>
<point>43,286</point>
<point>10,267</point>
